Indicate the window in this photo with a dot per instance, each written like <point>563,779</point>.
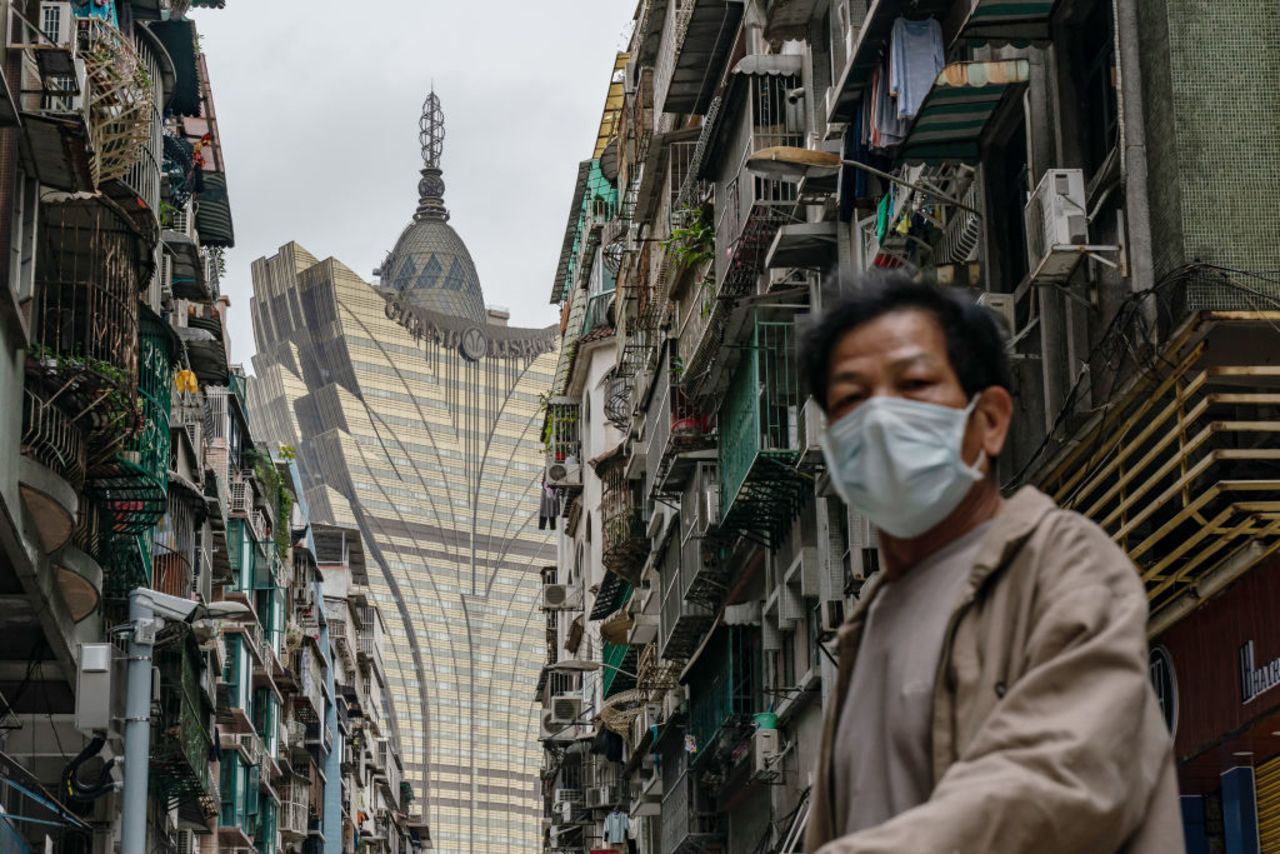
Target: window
<point>1008,183</point>
<point>1093,62</point>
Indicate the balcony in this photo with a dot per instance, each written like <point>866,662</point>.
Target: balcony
<point>750,210</point>
<point>88,95</point>
<point>134,485</point>
<point>682,621</point>
<point>180,751</point>
<point>724,691</point>
<point>622,516</point>
<point>689,821</point>
<point>370,638</point>
<point>1183,466</point>
<point>84,353</point>
<point>341,630</point>
<point>679,431</point>
<point>173,548</point>
<point>562,439</point>
<point>53,469</point>
<point>309,702</point>
<point>760,491</point>
<point>295,808</point>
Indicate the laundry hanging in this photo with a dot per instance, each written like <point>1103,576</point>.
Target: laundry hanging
<point>915,59</point>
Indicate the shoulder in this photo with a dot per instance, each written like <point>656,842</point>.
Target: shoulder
<point>1070,551</point>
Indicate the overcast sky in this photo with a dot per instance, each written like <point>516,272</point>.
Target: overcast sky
<point>318,107</point>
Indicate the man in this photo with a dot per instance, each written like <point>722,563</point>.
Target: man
<point>992,693</point>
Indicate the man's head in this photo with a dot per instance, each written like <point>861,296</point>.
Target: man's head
<point>889,336</point>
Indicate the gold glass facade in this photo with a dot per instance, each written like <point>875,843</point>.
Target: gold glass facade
<point>437,458</point>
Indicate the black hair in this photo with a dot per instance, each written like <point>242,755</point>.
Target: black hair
<point>975,343</point>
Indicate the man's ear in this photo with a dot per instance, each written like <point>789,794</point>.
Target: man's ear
<point>995,414</point>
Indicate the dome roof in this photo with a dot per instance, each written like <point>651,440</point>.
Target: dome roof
<point>431,267</point>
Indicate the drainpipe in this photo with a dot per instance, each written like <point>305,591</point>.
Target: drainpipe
<point>137,723</point>
<point>1133,153</point>
<point>333,762</point>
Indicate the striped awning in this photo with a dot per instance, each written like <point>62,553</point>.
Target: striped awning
<point>951,121</point>
<point>1018,21</point>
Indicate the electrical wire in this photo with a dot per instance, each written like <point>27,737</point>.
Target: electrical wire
<point>1118,333</point>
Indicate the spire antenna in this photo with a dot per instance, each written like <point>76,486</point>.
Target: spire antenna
<point>431,139</point>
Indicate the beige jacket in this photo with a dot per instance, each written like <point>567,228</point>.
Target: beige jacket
<point>1046,734</point>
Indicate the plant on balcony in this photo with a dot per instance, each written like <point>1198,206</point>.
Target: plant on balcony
<point>692,243</point>
<point>121,100</point>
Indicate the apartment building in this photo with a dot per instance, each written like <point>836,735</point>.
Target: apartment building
<point>752,157</point>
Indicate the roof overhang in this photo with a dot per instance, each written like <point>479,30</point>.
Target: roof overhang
<point>1009,21</point>
<point>570,232</point>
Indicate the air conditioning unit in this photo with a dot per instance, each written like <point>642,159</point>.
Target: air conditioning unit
<point>593,798</point>
<point>674,701</point>
<point>561,597</point>
<point>832,615</point>
<point>565,709</point>
<point>566,473</point>
<point>554,732</point>
<point>814,421</point>
<point>1057,223</point>
<point>766,747</point>
<point>704,492</point>
<point>251,747</point>
<point>607,796</point>
<point>185,842</point>
<point>1002,305</point>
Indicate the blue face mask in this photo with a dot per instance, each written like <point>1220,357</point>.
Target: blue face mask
<point>898,462</point>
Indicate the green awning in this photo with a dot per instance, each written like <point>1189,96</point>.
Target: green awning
<point>957,110</point>
<point>1017,21</point>
<point>179,40</point>
<point>213,212</point>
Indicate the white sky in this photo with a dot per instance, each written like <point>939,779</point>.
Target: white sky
<point>318,107</point>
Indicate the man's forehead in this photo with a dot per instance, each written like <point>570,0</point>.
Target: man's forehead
<point>902,335</point>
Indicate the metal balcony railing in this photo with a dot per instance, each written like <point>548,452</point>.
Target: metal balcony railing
<point>724,689</point>
<point>682,622</point>
<point>84,349</point>
<point>678,428</point>
<point>180,755</point>
<point>134,484</point>
<point>689,822</point>
<point>51,438</point>
<point>561,431</point>
<point>623,518</point>
<point>759,488</point>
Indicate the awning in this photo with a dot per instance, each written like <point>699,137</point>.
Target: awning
<point>1018,21</point>
<point>570,232</point>
<point>736,89</point>
<point>609,597</point>
<point>179,40</point>
<point>213,212</point>
<point>612,105</point>
<point>709,37</point>
<point>804,244</point>
<point>951,121</point>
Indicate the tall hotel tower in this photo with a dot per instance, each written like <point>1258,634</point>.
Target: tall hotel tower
<point>415,414</point>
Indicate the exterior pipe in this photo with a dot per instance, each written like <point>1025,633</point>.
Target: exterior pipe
<point>137,724</point>
<point>1133,152</point>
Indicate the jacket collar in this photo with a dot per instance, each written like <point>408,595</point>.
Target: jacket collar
<point>1018,518</point>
